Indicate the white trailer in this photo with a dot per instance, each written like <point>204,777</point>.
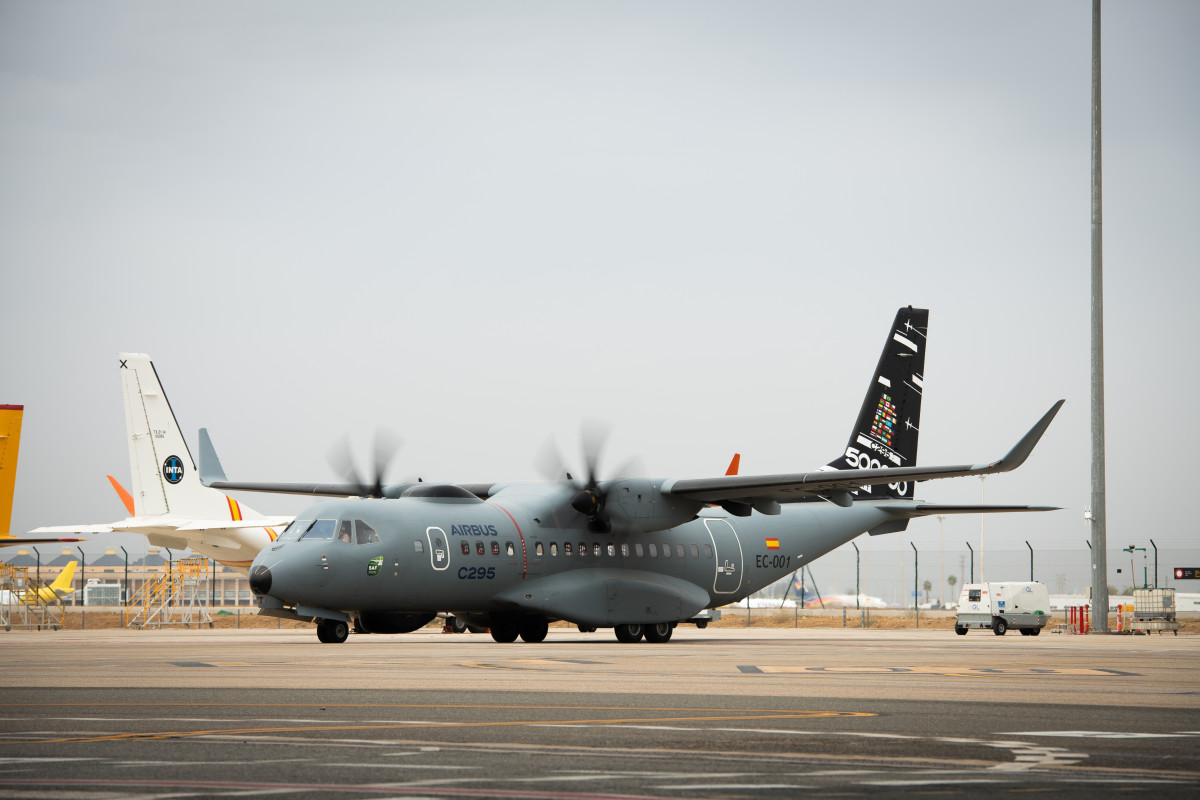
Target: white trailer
<point>1000,606</point>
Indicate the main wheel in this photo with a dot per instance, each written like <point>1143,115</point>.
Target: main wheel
<point>659,632</point>
<point>505,630</point>
<point>458,625</point>
<point>999,627</point>
<point>332,631</point>
<point>586,628</point>
<point>534,629</point>
<point>961,630</point>
<point>628,633</point>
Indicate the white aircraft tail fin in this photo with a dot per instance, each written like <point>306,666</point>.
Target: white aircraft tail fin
<point>164,476</point>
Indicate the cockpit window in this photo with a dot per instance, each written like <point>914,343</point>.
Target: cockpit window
<point>293,531</point>
<point>321,529</point>
<point>366,534</point>
<point>346,531</point>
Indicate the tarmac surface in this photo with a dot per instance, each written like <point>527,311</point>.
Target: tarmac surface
<point>714,713</point>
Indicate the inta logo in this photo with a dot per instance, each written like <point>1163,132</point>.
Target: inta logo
<point>173,469</point>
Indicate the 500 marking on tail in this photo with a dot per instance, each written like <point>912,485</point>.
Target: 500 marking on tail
<point>860,460</point>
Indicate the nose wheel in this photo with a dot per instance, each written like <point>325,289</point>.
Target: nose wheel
<point>332,631</point>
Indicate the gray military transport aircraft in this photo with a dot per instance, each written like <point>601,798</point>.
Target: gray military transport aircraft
<point>637,555</point>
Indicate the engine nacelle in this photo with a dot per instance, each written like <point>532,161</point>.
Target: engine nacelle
<point>638,505</point>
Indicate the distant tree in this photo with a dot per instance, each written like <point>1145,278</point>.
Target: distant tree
<point>927,586</point>
<point>950,579</point>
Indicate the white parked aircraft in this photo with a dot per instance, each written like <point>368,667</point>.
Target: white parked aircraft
<point>170,506</point>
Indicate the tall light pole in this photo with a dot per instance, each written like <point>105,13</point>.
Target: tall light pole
<point>941,560</point>
<point>1099,532</point>
<point>982,517</point>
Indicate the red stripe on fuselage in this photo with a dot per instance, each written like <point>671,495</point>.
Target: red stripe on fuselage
<point>521,536</point>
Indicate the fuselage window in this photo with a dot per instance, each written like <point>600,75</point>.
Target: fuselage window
<point>508,548</point>
<point>624,550</point>
<point>418,547</point>
<point>294,530</point>
<point>695,551</point>
<point>666,551</point>
<point>612,550</point>
<point>554,548</point>
<point>566,548</point>
<point>596,549</point>
<point>479,548</point>
<point>321,529</point>
<point>495,548</point>
<point>707,550</point>
<point>346,531</point>
<point>537,549</point>
<point>637,548</point>
<point>679,550</point>
<point>583,548</point>
<point>466,548</point>
<point>653,550</point>
<point>365,533</point>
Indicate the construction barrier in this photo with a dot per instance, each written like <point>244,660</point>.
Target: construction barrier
<point>1078,619</point>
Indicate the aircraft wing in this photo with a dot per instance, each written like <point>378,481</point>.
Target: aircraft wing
<point>167,525</point>
<point>836,485</point>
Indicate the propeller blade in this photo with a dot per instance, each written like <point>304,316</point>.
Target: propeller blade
<point>594,436</point>
<point>341,460</point>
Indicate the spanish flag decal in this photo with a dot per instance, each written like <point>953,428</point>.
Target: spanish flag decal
<point>772,544</point>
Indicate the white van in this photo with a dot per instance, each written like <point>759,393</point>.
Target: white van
<point>1000,606</point>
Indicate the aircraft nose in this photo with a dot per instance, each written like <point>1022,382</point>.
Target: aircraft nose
<point>260,580</point>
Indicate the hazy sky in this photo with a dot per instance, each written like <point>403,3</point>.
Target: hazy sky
<point>479,223</point>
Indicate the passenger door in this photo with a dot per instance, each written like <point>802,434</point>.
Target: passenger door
<point>728,551</point>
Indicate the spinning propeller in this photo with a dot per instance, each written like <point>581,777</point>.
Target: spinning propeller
<point>385,445</point>
<point>589,498</point>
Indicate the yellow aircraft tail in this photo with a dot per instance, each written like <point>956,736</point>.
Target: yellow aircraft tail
<point>60,588</point>
<point>10,443</point>
<point>62,584</point>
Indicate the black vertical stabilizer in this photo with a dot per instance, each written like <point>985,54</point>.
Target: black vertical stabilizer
<point>889,421</point>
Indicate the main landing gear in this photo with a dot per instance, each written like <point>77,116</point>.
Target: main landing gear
<point>530,629</point>
<point>657,633</point>
<point>332,631</point>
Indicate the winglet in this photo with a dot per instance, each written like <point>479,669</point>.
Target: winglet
<point>210,466</point>
<point>734,464</point>
<point>1021,450</point>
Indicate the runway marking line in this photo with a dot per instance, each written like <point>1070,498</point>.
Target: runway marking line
<point>340,788</point>
<point>1013,672</point>
<point>748,714</point>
